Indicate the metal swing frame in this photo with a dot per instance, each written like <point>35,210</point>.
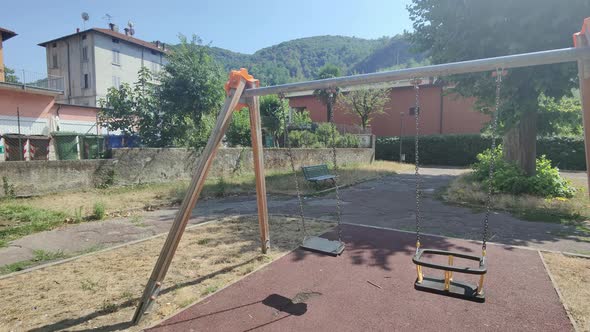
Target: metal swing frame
<point>243,90</point>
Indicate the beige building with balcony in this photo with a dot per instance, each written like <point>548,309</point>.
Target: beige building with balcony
<point>96,59</point>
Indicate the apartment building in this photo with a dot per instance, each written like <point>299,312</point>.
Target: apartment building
<point>96,59</point>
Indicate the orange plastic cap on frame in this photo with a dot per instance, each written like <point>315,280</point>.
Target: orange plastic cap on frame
<point>234,79</point>
<point>584,32</point>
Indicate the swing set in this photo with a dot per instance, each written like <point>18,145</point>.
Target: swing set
<point>243,90</point>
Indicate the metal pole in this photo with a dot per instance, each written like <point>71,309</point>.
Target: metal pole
<point>582,41</point>
<point>470,66</point>
<point>401,130</point>
<point>20,141</point>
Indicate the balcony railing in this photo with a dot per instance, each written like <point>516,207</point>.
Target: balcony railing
<point>31,79</point>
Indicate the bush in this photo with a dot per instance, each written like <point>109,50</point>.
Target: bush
<point>322,138</point>
<point>327,134</point>
<point>304,139</point>
<point>510,179</point>
<point>349,141</point>
<point>462,150</point>
<point>238,133</point>
<point>98,211</point>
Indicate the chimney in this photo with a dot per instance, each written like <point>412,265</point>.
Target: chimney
<point>126,31</point>
<point>113,27</point>
<point>77,30</point>
<point>164,46</point>
<point>157,43</point>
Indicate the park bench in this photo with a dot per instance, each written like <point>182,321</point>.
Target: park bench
<point>317,173</point>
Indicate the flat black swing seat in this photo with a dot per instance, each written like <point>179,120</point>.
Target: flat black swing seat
<point>324,246</point>
<point>456,289</point>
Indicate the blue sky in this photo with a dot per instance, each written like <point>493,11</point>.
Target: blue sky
<point>242,26</point>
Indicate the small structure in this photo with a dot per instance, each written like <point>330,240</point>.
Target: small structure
<point>29,105</point>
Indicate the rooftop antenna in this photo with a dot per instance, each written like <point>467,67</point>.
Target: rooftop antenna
<point>108,17</point>
<point>85,17</point>
<point>130,24</point>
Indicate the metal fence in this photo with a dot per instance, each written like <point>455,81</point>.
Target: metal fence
<point>32,79</point>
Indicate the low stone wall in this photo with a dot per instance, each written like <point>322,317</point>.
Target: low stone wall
<point>39,177</point>
<point>150,165</point>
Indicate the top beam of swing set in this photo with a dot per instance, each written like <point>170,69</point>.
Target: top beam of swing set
<point>471,66</point>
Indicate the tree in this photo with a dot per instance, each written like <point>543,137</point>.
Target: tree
<point>191,87</point>
<point>453,30</point>
<point>365,103</point>
<point>179,109</point>
<point>329,96</point>
<point>274,112</point>
<point>136,109</point>
<point>10,76</point>
<point>560,117</point>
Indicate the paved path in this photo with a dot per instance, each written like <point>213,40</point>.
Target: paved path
<point>387,202</point>
<point>309,292</point>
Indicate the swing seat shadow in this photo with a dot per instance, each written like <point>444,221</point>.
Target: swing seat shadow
<point>284,304</point>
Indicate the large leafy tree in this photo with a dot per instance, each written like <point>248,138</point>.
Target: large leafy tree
<point>365,103</point>
<point>176,108</point>
<point>452,30</point>
<point>328,97</point>
<point>191,87</point>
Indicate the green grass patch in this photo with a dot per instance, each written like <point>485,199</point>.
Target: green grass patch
<point>572,211</point>
<point>41,256</point>
<point>22,220</point>
<point>209,290</point>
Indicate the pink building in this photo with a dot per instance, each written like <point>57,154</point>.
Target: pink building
<point>443,113</point>
<point>28,106</point>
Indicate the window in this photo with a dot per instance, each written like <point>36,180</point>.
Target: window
<point>155,67</point>
<point>116,57</point>
<point>413,111</point>
<point>154,52</point>
<point>54,45</point>
<point>85,53</point>
<point>54,63</point>
<point>83,37</point>
<point>115,40</point>
<point>86,83</point>
<point>116,82</point>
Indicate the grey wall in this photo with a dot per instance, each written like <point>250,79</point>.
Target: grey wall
<point>146,165</point>
<point>39,177</point>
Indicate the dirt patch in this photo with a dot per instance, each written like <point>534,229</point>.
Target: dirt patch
<point>572,276</point>
<point>100,291</point>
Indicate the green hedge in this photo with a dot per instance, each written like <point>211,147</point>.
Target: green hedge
<point>461,150</point>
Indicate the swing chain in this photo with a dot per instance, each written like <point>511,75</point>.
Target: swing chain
<point>416,83</point>
<point>499,72</point>
<point>331,99</point>
<point>290,154</point>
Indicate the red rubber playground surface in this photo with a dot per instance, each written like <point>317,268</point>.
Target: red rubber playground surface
<point>370,288</point>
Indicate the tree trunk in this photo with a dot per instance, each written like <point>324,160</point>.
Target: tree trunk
<point>520,143</point>
<point>329,109</point>
<point>364,122</point>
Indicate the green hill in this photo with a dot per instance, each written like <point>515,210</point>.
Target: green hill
<point>300,59</point>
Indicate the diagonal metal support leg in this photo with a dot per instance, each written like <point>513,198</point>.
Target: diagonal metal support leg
<point>180,221</point>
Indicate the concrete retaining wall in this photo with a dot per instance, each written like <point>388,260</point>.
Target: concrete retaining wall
<point>148,165</point>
